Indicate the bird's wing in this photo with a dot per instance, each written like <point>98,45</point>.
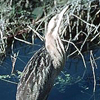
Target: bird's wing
<point>38,77</point>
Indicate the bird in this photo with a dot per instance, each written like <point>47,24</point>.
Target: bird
<point>39,74</point>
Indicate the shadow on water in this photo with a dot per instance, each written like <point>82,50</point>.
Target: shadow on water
<point>65,90</point>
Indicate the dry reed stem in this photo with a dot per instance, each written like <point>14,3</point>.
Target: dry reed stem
<point>42,38</point>
<point>22,41</point>
<point>93,69</point>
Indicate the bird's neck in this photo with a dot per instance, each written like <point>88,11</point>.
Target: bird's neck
<point>55,48</point>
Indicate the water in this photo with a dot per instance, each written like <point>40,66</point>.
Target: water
<point>82,90</point>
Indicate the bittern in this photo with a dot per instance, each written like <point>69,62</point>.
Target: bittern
<point>40,72</point>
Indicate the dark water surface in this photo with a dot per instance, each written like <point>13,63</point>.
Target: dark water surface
<point>82,90</point>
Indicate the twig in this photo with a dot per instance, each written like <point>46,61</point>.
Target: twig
<point>92,65</point>
<point>42,38</point>
<point>77,50</point>
<point>13,58</point>
<point>95,32</point>
<point>92,25</point>
<point>3,43</point>
<point>81,56</point>
<point>22,41</point>
<point>72,53</point>
<point>93,59</point>
<point>8,81</point>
